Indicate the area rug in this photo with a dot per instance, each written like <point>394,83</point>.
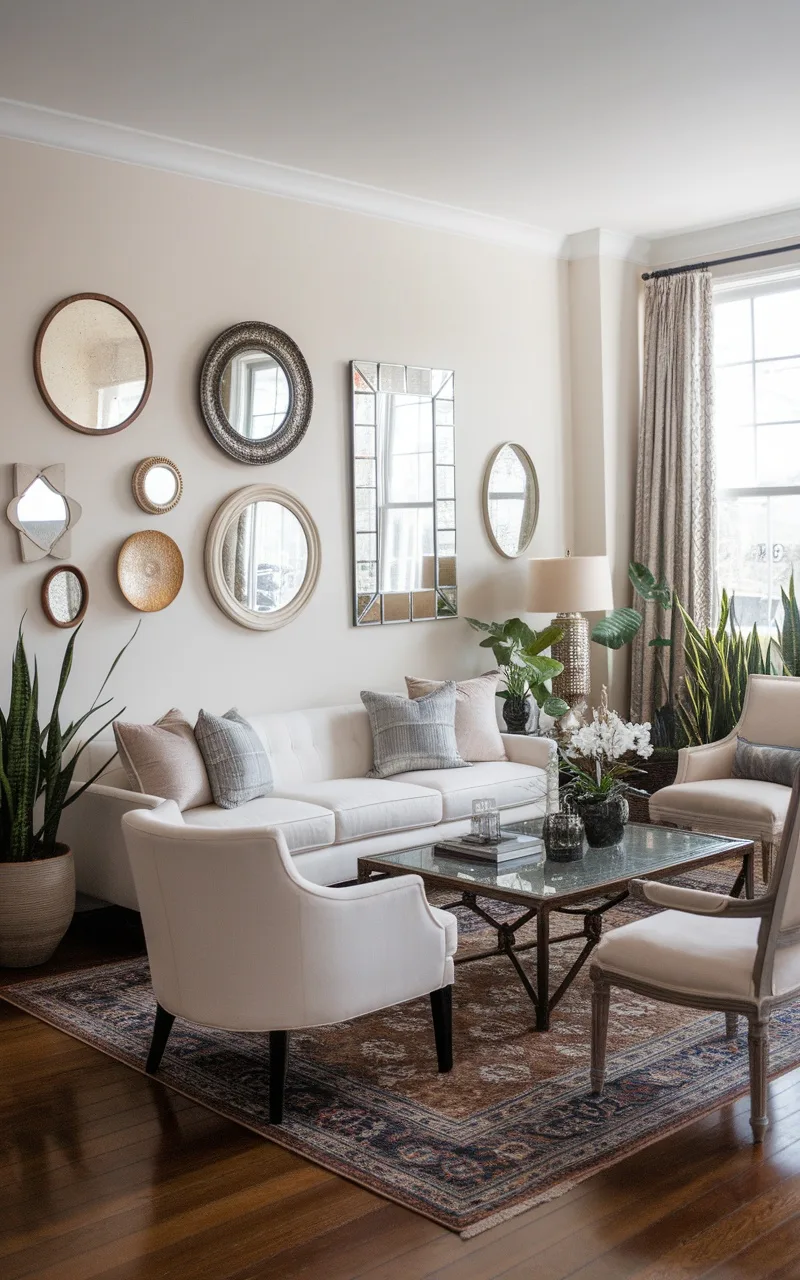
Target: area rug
<point>514,1124</point>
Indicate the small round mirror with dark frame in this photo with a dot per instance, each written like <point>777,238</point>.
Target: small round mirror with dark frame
<point>510,499</point>
<point>65,596</point>
<point>256,394</point>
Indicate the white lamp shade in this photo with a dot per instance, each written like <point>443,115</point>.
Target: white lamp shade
<point>570,584</point>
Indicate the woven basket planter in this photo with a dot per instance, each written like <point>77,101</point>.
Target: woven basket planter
<point>37,902</point>
<point>657,772</point>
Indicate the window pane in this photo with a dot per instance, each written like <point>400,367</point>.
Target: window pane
<point>778,455</point>
<point>742,566</point>
<point>734,397</point>
<point>732,337</point>
<point>785,540</point>
<point>778,391</point>
<point>736,458</point>
<point>777,324</point>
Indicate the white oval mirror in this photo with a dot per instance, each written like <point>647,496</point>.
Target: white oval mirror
<point>65,595</point>
<point>262,557</point>
<point>92,364</point>
<point>157,485</point>
<point>510,499</point>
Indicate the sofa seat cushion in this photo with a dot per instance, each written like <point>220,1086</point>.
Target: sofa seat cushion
<point>509,784</point>
<point>735,806</point>
<point>373,806</point>
<point>450,924</point>
<point>682,952</point>
<point>305,826</point>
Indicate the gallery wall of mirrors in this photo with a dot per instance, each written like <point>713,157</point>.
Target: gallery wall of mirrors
<point>94,369</point>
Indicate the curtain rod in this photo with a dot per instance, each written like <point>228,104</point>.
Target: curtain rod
<point>717,262</point>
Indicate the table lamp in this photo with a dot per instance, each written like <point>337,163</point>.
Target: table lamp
<point>569,586</point>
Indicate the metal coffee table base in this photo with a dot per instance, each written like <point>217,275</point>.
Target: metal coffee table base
<point>507,945</point>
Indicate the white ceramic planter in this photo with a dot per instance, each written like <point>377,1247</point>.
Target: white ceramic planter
<point>37,902</point>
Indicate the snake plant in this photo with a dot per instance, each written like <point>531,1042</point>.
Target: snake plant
<point>35,776</point>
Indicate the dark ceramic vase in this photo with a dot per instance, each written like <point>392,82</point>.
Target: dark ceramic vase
<point>516,713</point>
<point>604,820</point>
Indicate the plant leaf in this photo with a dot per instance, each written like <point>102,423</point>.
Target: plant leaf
<point>617,629</point>
<point>659,642</point>
<point>555,707</point>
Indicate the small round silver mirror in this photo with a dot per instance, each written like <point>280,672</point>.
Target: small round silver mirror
<point>510,499</point>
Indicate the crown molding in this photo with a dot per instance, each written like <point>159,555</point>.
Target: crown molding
<point>28,123</point>
<point>600,243</point>
<point>701,243</point>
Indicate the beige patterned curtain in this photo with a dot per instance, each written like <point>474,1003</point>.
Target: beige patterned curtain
<point>676,508</point>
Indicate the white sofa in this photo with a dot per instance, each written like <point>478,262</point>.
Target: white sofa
<point>329,811</point>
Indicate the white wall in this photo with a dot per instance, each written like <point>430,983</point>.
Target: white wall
<point>190,258</point>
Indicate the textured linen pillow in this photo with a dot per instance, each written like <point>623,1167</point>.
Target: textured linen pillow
<point>477,733</point>
<point>163,759</point>
<point>764,763</point>
<point>409,733</point>
<point>236,762</point>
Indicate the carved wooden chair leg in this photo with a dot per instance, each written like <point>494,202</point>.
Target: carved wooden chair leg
<point>601,996</point>
<point>161,1030</point>
<point>731,1023</point>
<point>442,1010</point>
<point>758,1046</point>
<point>278,1067</point>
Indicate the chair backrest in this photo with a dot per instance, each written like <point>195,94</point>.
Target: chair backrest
<point>781,926</point>
<point>771,711</point>
<point>223,915</point>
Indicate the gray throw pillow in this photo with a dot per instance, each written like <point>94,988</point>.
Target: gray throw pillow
<point>236,762</point>
<point>762,762</point>
<point>413,733</point>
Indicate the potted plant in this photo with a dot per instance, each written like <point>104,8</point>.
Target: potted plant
<point>597,760</point>
<point>37,875</point>
<point>519,652</point>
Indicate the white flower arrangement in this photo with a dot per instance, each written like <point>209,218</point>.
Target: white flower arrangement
<point>605,742</point>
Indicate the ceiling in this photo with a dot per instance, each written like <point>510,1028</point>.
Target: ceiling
<point>640,117</point>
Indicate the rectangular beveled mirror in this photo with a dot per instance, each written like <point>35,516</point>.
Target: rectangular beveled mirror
<point>404,494</point>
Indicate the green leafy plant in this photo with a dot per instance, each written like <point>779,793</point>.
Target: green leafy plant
<point>35,777</point>
<point>790,632</point>
<point>519,652</point>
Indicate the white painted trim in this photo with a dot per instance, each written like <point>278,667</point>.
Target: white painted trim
<point>28,123</point>
<point>600,243</point>
<point>729,237</point>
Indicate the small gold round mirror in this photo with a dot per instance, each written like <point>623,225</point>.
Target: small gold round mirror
<point>157,485</point>
<point>65,595</point>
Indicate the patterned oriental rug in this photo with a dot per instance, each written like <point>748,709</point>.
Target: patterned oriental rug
<point>514,1124</point>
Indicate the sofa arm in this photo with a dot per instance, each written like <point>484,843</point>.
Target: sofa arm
<point>540,753</point>
<point>700,764</point>
<point>92,827</point>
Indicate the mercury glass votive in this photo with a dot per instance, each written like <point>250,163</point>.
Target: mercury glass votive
<point>563,836</point>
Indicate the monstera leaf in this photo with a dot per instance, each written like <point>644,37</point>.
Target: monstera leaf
<point>617,629</point>
<point>645,584</point>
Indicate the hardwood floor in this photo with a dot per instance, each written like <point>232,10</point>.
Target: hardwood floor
<point>106,1174</point>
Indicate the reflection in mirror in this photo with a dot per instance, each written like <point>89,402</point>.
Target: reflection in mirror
<point>92,364</point>
<point>43,513</point>
<point>255,394</point>
<point>510,499</point>
<point>160,486</point>
<point>157,485</point>
<point>404,493</point>
<point>65,596</point>
<point>265,557</point>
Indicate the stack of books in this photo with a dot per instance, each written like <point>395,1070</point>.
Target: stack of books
<point>510,848</point>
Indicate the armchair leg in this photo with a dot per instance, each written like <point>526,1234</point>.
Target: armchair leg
<point>442,1010</point>
<point>161,1030</point>
<point>601,998</point>
<point>758,1046</point>
<point>766,861</point>
<point>731,1022</point>
<point>278,1067</point>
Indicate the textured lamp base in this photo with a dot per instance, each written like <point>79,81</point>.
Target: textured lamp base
<point>574,683</point>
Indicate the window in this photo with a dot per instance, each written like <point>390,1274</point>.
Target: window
<point>757,365</point>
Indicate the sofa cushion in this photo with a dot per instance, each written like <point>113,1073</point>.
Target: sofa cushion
<point>373,806</point>
<point>305,826</point>
<point>684,952</point>
<point>477,732</point>
<point>735,806</point>
<point>236,762</point>
<point>162,759</point>
<point>508,783</point>
<point>413,733</point>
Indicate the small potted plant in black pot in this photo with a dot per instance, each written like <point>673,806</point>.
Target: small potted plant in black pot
<point>597,759</point>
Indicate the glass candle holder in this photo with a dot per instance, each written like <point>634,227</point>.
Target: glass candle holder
<point>485,825</point>
<point>563,836</point>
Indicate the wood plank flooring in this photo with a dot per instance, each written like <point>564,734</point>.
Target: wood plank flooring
<point>107,1175</point>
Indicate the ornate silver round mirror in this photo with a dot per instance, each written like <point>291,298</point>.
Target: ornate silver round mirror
<point>510,499</point>
<point>255,392</point>
<point>262,557</point>
<point>157,485</point>
<point>65,595</point>
<point>92,364</point>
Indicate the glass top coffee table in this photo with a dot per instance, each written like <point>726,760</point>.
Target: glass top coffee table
<point>586,888</point>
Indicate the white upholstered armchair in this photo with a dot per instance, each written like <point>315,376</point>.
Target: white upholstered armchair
<point>237,939</point>
<point>704,796</point>
<point>708,951</point>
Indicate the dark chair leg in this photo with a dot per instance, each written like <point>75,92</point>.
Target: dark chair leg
<point>158,1044</point>
<point>442,1010</point>
<point>278,1066</point>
